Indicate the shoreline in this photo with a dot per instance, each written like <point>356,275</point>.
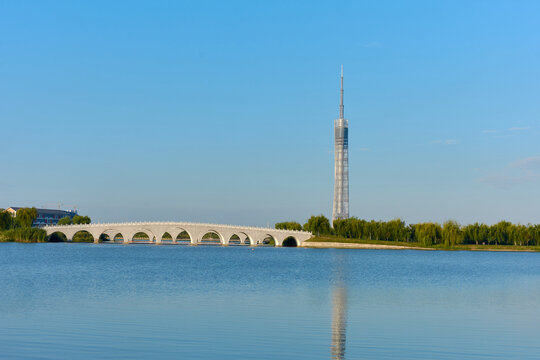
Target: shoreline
<point>341,245</point>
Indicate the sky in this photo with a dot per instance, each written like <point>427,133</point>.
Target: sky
<point>222,111</point>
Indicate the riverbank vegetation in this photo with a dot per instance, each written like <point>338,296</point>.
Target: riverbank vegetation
<point>449,235</point>
<point>417,245</point>
<point>19,229</point>
<point>27,235</point>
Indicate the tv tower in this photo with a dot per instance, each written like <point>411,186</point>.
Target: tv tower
<point>341,160</point>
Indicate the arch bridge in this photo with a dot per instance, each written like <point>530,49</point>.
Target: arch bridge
<point>176,232</point>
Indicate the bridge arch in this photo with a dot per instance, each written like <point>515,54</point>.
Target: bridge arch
<point>235,240</point>
<point>269,240</point>
<point>208,239</point>
<point>84,235</point>
<point>117,235</point>
<point>247,240</point>
<point>165,236</point>
<point>148,233</point>
<point>179,235</point>
<point>104,238</point>
<point>110,233</point>
<point>58,236</point>
<point>289,241</point>
<point>240,238</point>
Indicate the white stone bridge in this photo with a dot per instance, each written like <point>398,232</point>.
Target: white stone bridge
<point>162,232</point>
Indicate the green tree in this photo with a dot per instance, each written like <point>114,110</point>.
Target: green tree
<point>536,235</point>
<point>397,230</point>
<point>343,227</point>
<point>519,234</point>
<point>470,234</point>
<point>26,216</point>
<point>318,225</point>
<point>66,220</point>
<point>411,233</point>
<point>428,233</point>
<point>484,234</point>
<point>356,228</point>
<point>385,230</point>
<point>288,225</point>
<point>451,233</point>
<point>6,220</point>
<point>500,232</point>
<point>77,219</point>
<point>531,237</point>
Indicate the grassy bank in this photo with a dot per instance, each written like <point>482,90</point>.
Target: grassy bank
<point>470,247</point>
<point>26,235</point>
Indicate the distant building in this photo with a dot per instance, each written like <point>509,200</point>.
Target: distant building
<point>46,216</point>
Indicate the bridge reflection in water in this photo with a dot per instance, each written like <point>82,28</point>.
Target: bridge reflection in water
<point>339,311</point>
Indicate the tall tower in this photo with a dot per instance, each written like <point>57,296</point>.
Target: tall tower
<point>341,161</point>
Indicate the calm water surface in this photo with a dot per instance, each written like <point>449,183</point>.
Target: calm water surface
<point>86,301</point>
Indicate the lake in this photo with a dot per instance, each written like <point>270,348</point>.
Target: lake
<point>113,301</point>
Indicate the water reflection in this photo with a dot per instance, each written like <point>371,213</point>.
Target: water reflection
<point>339,311</point>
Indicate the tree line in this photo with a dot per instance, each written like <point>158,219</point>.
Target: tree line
<point>77,219</point>
<point>449,234</point>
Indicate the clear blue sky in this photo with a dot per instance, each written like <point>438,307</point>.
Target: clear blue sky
<point>223,111</point>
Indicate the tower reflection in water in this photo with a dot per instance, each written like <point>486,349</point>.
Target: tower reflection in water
<point>339,311</point>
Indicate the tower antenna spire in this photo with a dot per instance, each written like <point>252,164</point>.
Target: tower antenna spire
<point>341,115</point>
